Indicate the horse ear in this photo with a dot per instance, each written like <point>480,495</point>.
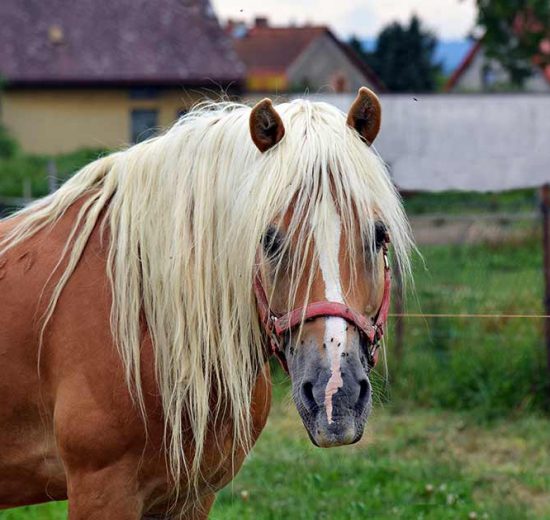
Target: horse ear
<point>266,125</point>
<point>365,114</point>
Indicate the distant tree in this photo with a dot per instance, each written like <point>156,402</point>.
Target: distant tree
<point>404,57</point>
<point>357,46</point>
<point>516,34</point>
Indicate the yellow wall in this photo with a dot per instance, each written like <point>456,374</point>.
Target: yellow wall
<point>266,82</point>
<point>55,121</point>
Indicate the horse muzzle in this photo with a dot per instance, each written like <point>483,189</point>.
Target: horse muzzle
<point>333,399</point>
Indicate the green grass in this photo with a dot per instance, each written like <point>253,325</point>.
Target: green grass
<point>52,511</point>
<point>412,464</point>
<point>489,366</point>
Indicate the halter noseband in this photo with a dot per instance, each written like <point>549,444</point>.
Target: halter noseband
<point>372,330</point>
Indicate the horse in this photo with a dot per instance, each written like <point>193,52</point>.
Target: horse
<point>141,302</point>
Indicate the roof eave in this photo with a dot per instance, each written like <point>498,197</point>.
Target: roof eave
<point>463,65</point>
<point>234,84</point>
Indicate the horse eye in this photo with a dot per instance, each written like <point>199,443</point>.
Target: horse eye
<point>380,234</point>
<point>272,242</point>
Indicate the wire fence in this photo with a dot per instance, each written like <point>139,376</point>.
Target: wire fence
<point>471,332</point>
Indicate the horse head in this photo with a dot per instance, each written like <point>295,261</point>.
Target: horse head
<point>322,291</point>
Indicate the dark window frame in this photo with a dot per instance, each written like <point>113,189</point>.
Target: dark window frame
<point>140,128</point>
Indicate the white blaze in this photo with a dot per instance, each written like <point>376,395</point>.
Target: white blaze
<point>335,328</point>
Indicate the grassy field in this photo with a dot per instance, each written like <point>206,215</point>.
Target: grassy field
<point>412,464</point>
<point>490,367</point>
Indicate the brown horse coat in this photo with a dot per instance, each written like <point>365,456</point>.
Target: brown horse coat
<point>64,431</point>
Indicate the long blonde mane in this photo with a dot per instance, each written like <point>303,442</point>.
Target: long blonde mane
<point>185,213</point>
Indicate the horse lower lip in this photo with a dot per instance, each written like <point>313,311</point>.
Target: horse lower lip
<point>327,439</point>
<point>343,430</point>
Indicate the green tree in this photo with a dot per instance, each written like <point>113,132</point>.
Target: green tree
<point>404,57</point>
<point>357,46</point>
<point>516,34</point>
<point>8,145</point>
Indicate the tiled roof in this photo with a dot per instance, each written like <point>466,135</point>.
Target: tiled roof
<point>80,42</point>
<point>274,49</point>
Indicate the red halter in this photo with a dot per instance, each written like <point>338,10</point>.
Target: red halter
<point>276,326</point>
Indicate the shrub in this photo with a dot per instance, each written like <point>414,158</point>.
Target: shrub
<point>8,145</point>
<point>14,170</point>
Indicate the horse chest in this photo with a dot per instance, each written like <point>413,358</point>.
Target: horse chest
<point>30,467</point>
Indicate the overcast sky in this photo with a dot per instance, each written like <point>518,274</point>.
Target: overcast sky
<point>448,18</point>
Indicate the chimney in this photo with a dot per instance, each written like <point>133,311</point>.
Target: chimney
<point>261,22</point>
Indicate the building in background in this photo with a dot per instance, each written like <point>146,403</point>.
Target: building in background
<point>293,59</point>
<point>478,73</point>
<point>101,73</point>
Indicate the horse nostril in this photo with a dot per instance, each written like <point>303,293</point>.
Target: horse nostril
<point>307,395</point>
<point>364,395</point>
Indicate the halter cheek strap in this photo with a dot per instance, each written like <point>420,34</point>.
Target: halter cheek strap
<point>276,326</point>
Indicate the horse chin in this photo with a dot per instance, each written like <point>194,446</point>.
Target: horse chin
<point>341,431</point>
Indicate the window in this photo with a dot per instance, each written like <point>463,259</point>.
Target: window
<point>488,77</point>
<point>144,124</point>
<point>339,83</point>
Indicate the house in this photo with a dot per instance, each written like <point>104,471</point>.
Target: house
<point>294,59</point>
<point>101,73</point>
<point>478,73</point>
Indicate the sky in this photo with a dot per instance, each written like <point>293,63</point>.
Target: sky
<point>449,19</point>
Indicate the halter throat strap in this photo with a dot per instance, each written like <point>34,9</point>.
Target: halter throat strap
<point>277,326</point>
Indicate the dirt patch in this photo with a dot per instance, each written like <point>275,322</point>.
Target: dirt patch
<point>473,229</point>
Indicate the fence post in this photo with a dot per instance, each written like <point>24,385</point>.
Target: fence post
<point>52,176</point>
<point>398,310</point>
<point>545,208</point>
<point>27,190</point>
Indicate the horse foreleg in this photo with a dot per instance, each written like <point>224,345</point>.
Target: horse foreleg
<point>201,511</point>
<point>105,493</point>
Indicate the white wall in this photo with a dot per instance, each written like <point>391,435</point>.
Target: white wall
<point>484,142</point>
